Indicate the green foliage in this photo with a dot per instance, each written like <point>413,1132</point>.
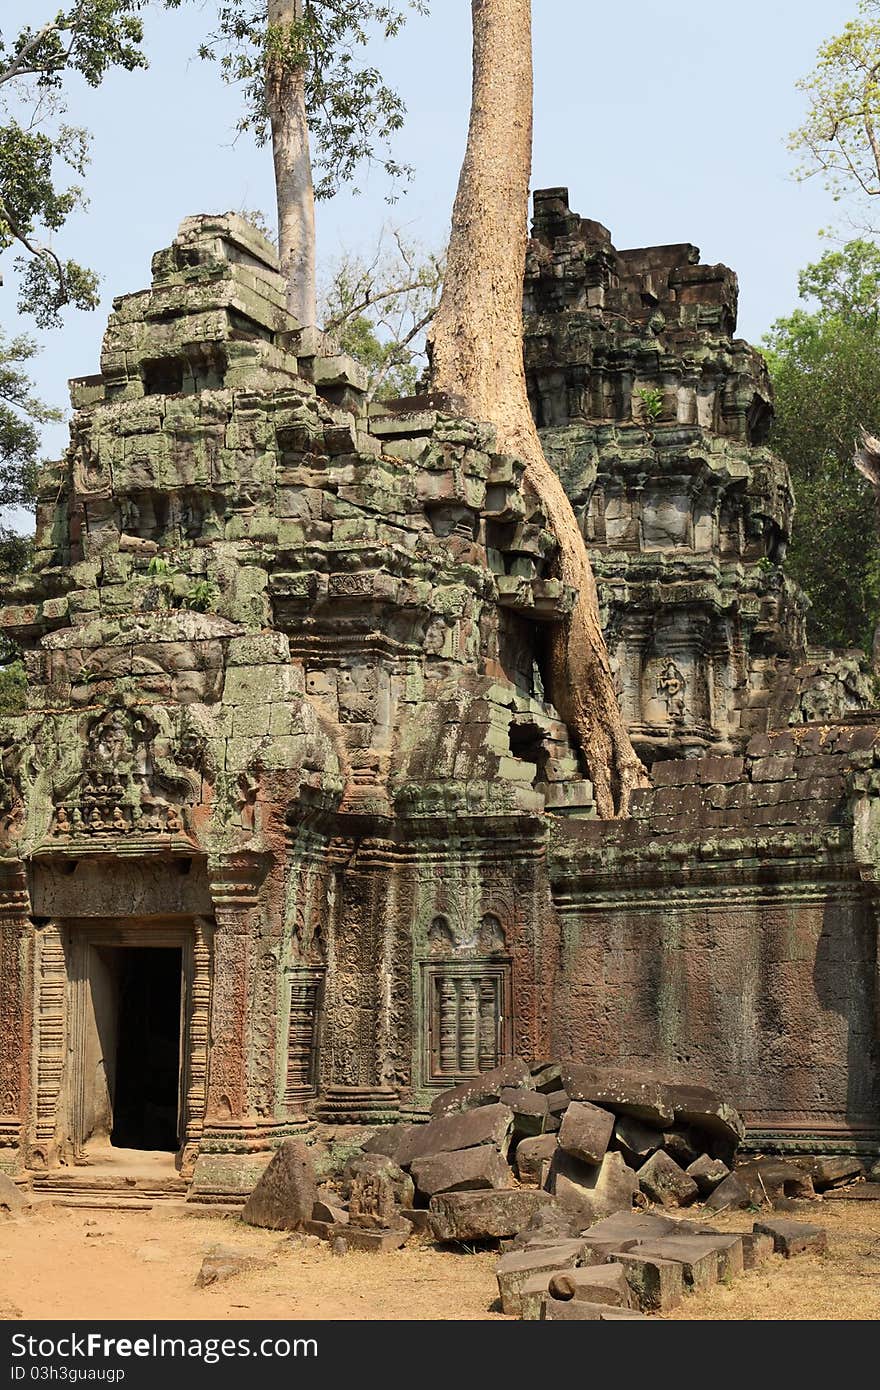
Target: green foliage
<point>651,402</point>
<point>352,113</point>
<point>88,38</point>
<point>177,590</point>
<point>20,414</point>
<point>839,139</point>
<point>200,596</point>
<point>825,366</point>
<point>379,308</point>
<point>13,688</point>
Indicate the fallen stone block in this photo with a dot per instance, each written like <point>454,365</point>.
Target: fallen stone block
<point>529,1110</point>
<point>487,1124</point>
<point>595,1284</point>
<point>656,1284</point>
<point>733,1193</point>
<point>321,1229</point>
<point>461,1170</point>
<point>793,1237</point>
<point>485,1088</point>
<point>532,1294</point>
<point>831,1170</point>
<point>558,1102</point>
<point>12,1200</point>
<point>636,1141</point>
<point>417,1218</point>
<point>619,1092</point>
<point>592,1191</point>
<point>757,1248</point>
<point>628,1228</point>
<point>391,1140</point>
<point>860,1192</point>
<point>484,1215</point>
<point>699,1259</point>
<point>549,1225</point>
<point>530,1155</point>
<point>285,1195</point>
<point>577,1310</point>
<point>513,1269</point>
<point>586,1131</point>
<point>707,1173</point>
<point>327,1211</point>
<point>545,1076</point>
<point>703,1109</point>
<point>661,1179</point>
<point>224,1262</point>
<point>760,1182</point>
<point>375,1240</point>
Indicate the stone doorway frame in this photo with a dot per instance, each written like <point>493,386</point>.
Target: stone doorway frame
<point>61,999</point>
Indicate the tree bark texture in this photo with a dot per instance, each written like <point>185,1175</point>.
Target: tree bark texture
<point>477,354</point>
<point>286,106</point>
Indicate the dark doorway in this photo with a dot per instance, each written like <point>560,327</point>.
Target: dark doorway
<point>147,1063</point>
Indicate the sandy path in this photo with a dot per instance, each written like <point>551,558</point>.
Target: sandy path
<point>60,1263</point>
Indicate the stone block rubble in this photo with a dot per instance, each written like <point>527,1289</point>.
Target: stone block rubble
<point>549,1161</point>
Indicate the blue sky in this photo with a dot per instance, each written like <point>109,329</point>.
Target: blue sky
<point>667,121</point>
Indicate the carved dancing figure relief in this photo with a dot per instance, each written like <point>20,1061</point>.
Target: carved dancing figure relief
<point>672,688</point>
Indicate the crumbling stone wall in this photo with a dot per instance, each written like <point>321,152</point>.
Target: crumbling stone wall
<point>657,417</point>
<point>728,931</point>
<point>285,710</point>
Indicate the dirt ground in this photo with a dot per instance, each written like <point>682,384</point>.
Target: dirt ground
<point>63,1263</point>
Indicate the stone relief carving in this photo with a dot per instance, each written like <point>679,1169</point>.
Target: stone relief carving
<point>672,688</point>
<point>133,774</point>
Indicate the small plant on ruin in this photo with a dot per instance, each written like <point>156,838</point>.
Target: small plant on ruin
<point>200,596</point>
<point>651,404</point>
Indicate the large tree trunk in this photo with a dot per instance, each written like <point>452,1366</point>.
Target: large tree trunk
<point>477,354</point>
<point>286,105</point>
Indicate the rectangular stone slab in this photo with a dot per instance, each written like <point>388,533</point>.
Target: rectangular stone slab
<point>657,1285</point>
<point>698,1259</point>
<point>487,1086</point>
<point>463,1169</point>
<point>532,1293</point>
<point>488,1124</point>
<point>374,1242</point>
<point>586,1131</point>
<point>514,1269</point>
<point>575,1310</point>
<point>793,1237</point>
<point>484,1215</point>
<point>605,1283</point>
<point>757,1248</point>
<point>620,1093</point>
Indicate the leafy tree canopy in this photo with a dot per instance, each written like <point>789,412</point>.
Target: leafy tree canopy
<point>352,112</point>
<point>839,140</point>
<point>825,365</point>
<point>87,38</point>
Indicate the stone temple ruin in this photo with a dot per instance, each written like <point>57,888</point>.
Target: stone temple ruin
<point>289,831</point>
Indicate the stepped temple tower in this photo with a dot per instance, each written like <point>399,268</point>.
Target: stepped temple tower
<point>288,828</point>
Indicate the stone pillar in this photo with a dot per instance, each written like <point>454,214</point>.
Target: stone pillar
<point>241,1128</point>
<point>354,1089</point>
<point>15,1015</point>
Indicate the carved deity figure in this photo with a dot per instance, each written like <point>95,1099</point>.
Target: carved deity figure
<point>671,687</point>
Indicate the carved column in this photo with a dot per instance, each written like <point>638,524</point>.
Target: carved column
<point>241,1125</point>
<point>15,1014</point>
<point>359,981</point>
<point>235,891</point>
